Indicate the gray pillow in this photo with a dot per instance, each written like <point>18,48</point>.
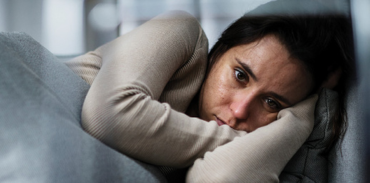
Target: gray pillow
<point>41,138</point>
<point>310,163</point>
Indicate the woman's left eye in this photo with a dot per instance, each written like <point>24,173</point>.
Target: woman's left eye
<point>240,75</point>
<point>272,103</point>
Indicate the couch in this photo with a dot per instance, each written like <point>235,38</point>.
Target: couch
<point>42,140</point>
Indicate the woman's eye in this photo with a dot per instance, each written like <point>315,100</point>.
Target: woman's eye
<point>272,104</point>
<point>240,76</point>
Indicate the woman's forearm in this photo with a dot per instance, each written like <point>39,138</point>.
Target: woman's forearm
<point>261,155</point>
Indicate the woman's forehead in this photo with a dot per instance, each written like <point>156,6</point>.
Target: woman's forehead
<point>267,46</point>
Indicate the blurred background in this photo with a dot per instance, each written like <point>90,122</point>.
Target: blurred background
<point>72,27</point>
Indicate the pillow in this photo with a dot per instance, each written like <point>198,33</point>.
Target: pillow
<point>40,133</point>
<point>310,163</point>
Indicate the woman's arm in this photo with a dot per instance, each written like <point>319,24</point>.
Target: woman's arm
<point>261,155</point>
<point>165,60</point>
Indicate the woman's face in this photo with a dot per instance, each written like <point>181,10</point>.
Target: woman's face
<point>251,83</point>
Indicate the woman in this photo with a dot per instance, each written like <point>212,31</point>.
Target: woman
<point>243,126</point>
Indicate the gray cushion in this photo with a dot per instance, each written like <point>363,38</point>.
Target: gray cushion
<point>40,133</point>
<point>310,163</point>
<point>347,160</point>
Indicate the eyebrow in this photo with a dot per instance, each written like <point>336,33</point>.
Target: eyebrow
<point>281,98</point>
<point>247,69</point>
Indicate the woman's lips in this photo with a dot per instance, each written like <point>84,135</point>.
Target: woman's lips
<point>220,122</point>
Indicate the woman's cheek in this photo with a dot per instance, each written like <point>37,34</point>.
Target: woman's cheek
<point>264,119</point>
<point>224,90</point>
<point>271,117</point>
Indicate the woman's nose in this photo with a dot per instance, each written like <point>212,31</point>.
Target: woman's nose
<point>240,107</point>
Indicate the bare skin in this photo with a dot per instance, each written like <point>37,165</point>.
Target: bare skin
<point>250,84</point>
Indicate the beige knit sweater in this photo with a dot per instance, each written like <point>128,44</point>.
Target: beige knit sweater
<point>143,82</point>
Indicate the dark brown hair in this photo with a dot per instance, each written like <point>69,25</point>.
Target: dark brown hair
<point>321,41</point>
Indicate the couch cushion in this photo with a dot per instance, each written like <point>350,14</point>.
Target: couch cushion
<point>61,81</point>
<point>310,163</point>
<point>40,134</point>
<point>347,160</point>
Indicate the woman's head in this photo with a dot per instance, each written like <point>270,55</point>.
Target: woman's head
<point>251,83</point>
<point>293,55</point>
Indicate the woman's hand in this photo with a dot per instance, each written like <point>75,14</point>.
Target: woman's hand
<point>304,111</point>
<point>261,155</point>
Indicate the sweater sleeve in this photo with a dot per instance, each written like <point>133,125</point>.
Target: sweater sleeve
<point>162,60</point>
<point>261,155</point>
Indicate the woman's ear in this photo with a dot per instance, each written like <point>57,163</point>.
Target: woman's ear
<point>332,79</point>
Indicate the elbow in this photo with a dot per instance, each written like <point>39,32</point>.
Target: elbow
<point>199,172</point>
<point>227,176</point>
<point>215,177</point>
<point>107,117</point>
<point>218,172</point>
